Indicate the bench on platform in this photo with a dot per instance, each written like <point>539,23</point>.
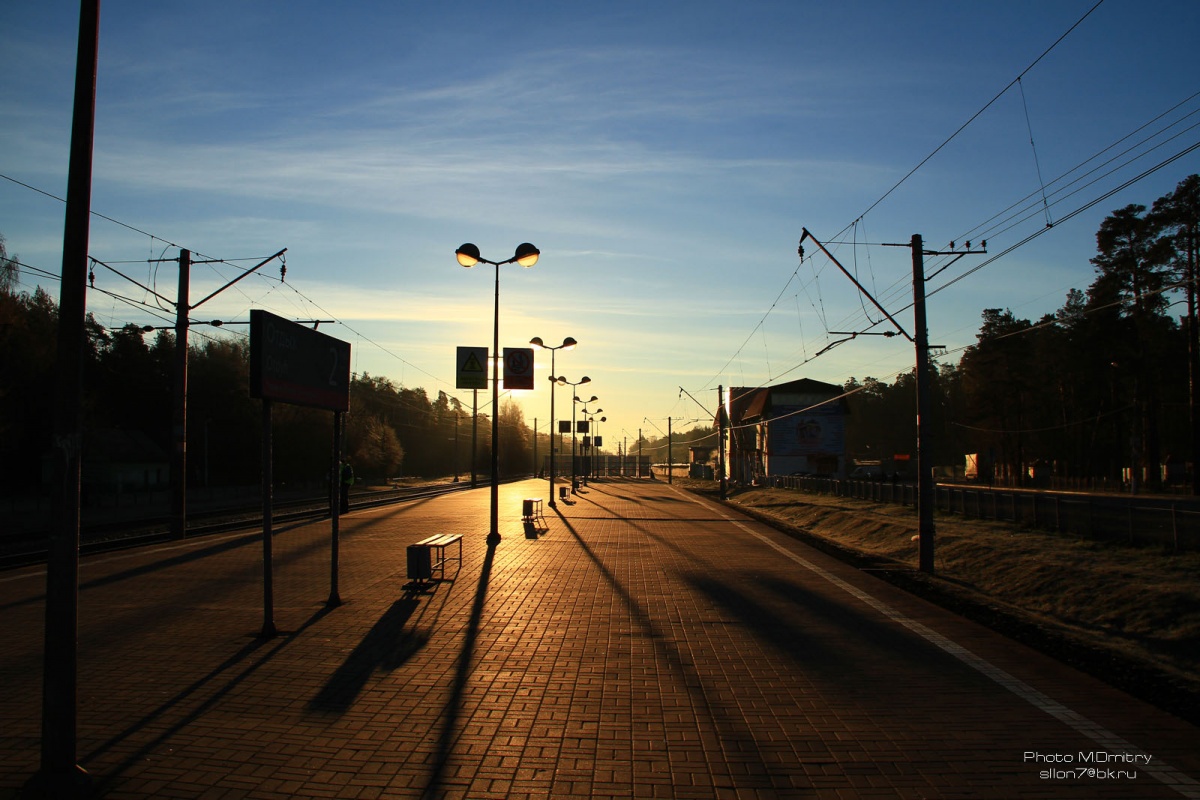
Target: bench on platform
<point>531,511</point>
<point>429,556</point>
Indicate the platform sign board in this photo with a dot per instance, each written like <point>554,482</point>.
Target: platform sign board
<point>295,364</point>
<point>518,368</point>
<point>470,368</point>
<point>564,426</point>
<point>582,426</point>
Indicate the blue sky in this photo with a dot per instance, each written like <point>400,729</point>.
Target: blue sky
<point>664,156</point>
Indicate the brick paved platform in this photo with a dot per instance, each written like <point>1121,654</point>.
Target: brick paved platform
<point>647,643</point>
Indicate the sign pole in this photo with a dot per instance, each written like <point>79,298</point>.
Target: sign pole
<point>268,478</point>
<point>335,509</point>
<point>301,366</point>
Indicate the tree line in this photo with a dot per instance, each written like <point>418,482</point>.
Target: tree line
<point>391,431</point>
<point>1101,392</point>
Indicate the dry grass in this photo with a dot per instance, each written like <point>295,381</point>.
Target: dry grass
<point>1140,602</point>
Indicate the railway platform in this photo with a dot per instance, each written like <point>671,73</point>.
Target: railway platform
<point>642,642</point>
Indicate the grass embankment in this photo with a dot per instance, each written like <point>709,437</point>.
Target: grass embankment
<point>1129,615</point>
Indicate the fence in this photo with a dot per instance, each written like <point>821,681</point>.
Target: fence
<point>601,466</point>
<point>1166,522</point>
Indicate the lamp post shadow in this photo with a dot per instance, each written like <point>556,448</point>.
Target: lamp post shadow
<point>461,675</point>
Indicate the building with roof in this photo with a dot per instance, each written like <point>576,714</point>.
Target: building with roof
<point>789,429</point>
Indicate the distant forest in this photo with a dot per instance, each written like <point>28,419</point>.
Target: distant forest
<point>1100,391</point>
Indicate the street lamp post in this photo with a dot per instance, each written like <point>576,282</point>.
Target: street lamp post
<point>596,442</point>
<point>568,344</point>
<point>590,445</point>
<point>578,399</point>
<point>468,256</point>
<point>564,382</point>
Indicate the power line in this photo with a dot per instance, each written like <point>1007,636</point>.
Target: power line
<point>921,164</point>
<point>94,213</point>
<point>359,334</point>
<point>1074,213</point>
<point>986,106</point>
<point>900,286</point>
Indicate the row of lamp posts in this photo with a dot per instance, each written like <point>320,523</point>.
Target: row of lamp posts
<point>526,255</point>
<point>568,344</point>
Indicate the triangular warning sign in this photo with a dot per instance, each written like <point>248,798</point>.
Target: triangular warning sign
<point>472,364</point>
<point>471,368</point>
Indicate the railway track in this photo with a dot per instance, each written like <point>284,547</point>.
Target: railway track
<point>26,549</point>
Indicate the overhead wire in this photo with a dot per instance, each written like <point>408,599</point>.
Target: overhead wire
<point>982,231</point>
<point>926,160</point>
<point>210,260</point>
<point>1037,164</point>
<point>986,106</point>
<point>1074,213</point>
<point>1131,154</point>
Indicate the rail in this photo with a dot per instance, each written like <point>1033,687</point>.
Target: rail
<point>21,549</point>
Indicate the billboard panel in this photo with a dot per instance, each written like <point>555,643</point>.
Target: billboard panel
<point>816,431</point>
<point>298,365</point>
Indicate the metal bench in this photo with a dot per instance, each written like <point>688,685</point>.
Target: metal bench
<point>531,511</point>
<point>429,556</point>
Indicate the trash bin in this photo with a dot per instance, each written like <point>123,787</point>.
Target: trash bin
<point>420,563</point>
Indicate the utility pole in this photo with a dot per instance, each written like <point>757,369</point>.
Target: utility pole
<point>721,438</point>
<point>183,307</point>
<point>60,774</point>
<point>179,394</point>
<point>925,528</point>
<point>925,488</point>
<point>670,455</point>
<point>1193,350</point>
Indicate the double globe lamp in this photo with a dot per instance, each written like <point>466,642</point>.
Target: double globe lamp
<point>468,256</point>
<point>568,344</point>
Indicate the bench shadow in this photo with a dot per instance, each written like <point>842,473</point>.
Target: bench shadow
<point>387,646</point>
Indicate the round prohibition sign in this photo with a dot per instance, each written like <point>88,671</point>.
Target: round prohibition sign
<point>518,362</point>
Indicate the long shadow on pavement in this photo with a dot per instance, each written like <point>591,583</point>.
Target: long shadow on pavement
<point>462,673</point>
<point>386,646</point>
<point>106,782</point>
<point>225,545</point>
<point>767,625</point>
<point>734,734</point>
